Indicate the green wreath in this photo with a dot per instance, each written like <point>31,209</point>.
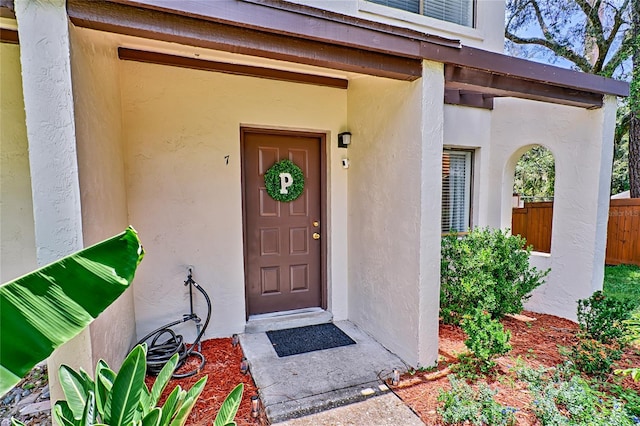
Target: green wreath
<point>284,188</point>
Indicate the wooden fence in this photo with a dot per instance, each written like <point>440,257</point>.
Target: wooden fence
<point>533,222</point>
<point>623,231</point>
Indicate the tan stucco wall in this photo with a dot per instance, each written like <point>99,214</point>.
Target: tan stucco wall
<point>488,33</point>
<point>17,240</point>
<point>95,71</point>
<point>394,187</point>
<point>186,202</point>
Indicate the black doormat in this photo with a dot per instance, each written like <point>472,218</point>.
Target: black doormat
<point>293,341</point>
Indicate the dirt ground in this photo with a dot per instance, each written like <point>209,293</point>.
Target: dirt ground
<point>535,339</point>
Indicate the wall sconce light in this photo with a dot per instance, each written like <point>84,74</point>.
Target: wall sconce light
<point>344,139</point>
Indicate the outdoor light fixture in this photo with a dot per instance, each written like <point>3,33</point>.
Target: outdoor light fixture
<point>244,365</point>
<point>255,406</point>
<point>344,139</point>
<point>395,378</point>
<point>235,340</point>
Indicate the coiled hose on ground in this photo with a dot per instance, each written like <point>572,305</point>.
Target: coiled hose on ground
<point>163,342</point>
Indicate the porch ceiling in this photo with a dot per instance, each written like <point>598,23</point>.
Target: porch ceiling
<point>302,34</point>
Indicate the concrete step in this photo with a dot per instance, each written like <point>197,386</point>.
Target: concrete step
<point>303,384</point>
<point>287,319</point>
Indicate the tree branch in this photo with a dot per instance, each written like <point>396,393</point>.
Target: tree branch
<point>623,53</point>
<point>555,47</point>
<point>540,18</point>
<point>607,42</point>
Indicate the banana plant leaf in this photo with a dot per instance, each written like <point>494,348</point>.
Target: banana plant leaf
<point>46,308</point>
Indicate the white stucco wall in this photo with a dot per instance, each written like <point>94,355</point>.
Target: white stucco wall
<point>582,144</point>
<point>17,240</point>
<point>470,129</point>
<point>98,114</point>
<point>186,202</point>
<point>488,33</point>
<point>394,211</point>
<point>431,210</point>
<point>47,93</point>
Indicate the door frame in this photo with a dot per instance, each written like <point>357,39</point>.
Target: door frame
<point>323,204</point>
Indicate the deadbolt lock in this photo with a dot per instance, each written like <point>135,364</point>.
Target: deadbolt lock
<point>316,236</point>
<point>316,223</point>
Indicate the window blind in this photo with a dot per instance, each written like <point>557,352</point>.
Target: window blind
<point>456,191</point>
<point>408,5</point>
<point>456,11</point>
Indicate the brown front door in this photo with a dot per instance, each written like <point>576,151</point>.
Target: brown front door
<point>282,255</point>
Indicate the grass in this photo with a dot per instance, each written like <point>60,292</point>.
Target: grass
<point>623,282</point>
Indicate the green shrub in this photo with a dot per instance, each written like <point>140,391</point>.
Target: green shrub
<point>487,269</point>
<point>632,330</point>
<point>593,357</point>
<point>573,402</point>
<point>602,322</point>
<point>562,397</point>
<point>602,318</point>
<point>462,404</point>
<point>486,338</point>
<point>628,396</point>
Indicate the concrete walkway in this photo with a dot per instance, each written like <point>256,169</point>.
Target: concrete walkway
<point>383,410</point>
<point>305,384</point>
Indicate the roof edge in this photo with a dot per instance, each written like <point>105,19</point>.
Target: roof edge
<point>285,18</point>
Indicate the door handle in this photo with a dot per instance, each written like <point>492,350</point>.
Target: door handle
<point>316,236</point>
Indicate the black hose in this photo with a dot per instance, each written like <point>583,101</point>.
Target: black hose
<point>165,342</point>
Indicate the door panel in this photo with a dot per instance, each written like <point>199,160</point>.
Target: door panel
<point>283,260</point>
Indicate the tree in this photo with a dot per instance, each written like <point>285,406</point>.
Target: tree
<point>535,174</point>
<point>634,103</point>
<point>592,36</point>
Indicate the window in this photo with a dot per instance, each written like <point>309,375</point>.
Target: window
<point>456,11</point>
<point>456,191</point>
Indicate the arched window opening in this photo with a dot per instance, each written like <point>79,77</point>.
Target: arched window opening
<point>533,189</point>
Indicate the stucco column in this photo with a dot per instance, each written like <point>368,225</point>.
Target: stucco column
<point>607,120</point>
<point>430,210</point>
<point>46,79</point>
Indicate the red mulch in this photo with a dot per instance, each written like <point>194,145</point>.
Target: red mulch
<point>535,343</point>
<point>223,369</point>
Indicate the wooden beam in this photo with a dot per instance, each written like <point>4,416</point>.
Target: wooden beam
<point>466,98</point>
<point>7,9</point>
<point>500,85</point>
<point>522,69</point>
<point>153,24</point>
<point>9,36</point>
<point>227,68</point>
<point>310,23</point>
